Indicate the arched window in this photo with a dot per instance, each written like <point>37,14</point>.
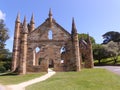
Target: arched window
<point>62,49</point>
<point>50,34</point>
<point>37,49</point>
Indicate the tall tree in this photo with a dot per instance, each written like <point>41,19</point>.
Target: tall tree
<point>5,55</point>
<point>3,34</point>
<point>113,49</point>
<point>111,36</point>
<point>99,52</point>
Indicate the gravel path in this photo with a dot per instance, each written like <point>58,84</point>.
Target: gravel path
<point>22,86</point>
<point>114,69</point>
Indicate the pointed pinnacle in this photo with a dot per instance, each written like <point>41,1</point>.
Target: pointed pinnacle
<point>25,28</point>
<point>88,38</point>
<point>74,30</point>
<point>24,22</point>
<point>18,17</point>
<point>32,19</point>
<point>50,13</point>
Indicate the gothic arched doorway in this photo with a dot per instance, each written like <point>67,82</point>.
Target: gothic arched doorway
<point>51,63</point>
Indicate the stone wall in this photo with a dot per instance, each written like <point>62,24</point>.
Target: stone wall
<point>57,48</point>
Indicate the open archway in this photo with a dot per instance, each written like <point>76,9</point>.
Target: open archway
<point>51,63</point>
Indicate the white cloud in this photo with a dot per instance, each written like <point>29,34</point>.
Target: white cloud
<point>2,15</point>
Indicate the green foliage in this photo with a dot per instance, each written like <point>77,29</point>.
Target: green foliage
<point>111,36</point>
<point>3,34</point>
<point>87,79</point>
<point>99,52</point>
<point>5,60</point>
<point>85,37</point>
<point>2,69</point>
<point>5,55</point>
<point>113,48</point>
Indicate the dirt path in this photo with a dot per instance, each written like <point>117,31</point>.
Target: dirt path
<point>22,86</point>
<point>114,69</point>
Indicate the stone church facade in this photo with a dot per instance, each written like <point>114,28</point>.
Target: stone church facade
<point>48,46</point>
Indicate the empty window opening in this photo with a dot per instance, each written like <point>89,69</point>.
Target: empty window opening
<point>50,34</point>
<point>62,61</point>
<point>37,49</point>
<point>40,60</point>
<point>62,50</point>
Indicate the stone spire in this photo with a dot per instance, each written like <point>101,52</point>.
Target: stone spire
<point>18,18</point>
<point>88,39</point>
<point>89,63</point>
<point>23,56</point>
<point>50,13</point>
<point>74,30</point>
<point>25,28</point>
<point>32,23</point>
<point>16,44</point>
<point>50,17</point>
<point>32,20</point>
<point>75,43</point>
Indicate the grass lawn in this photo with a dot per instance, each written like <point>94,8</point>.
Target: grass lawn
<point>15,79</point>
<point>87,79</point>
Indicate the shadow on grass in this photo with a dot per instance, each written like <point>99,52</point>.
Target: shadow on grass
<point>9,74</point>
<point>104,64</point>
<point>107,63</point>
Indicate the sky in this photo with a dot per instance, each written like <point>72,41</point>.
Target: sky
<point>95,17</point>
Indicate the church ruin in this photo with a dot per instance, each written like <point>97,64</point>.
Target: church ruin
<point>48,46</point>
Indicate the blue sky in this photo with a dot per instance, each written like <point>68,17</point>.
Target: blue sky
<point>95,17</point>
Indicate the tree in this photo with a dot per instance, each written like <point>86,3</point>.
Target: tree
<point>111,36</point>
<point>3,34</point>
<point>5,60</point>
<point>5,55</point>
<point>99,52</point>
<point>85,36</point>
<point>113,49</point>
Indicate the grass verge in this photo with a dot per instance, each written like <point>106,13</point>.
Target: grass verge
<point>87,79</point>
<point>12,78</point>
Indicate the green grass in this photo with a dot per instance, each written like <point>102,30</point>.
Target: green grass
<point>87,79</point>
<point>15,79</point>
